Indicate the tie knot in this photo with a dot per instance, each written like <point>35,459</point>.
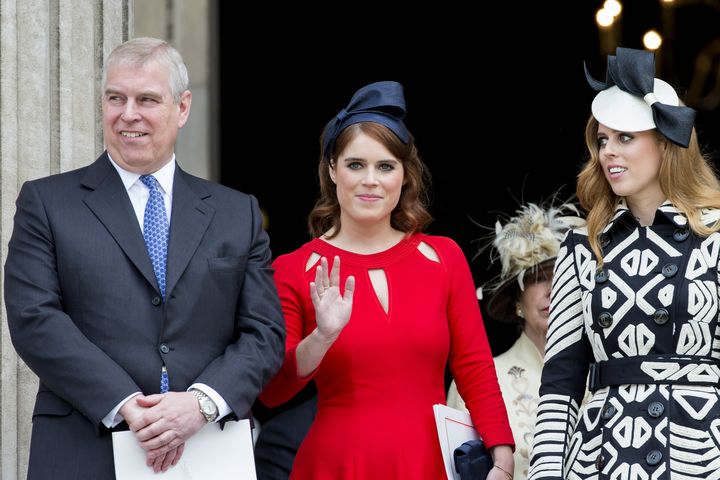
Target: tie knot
<point>150,182</point>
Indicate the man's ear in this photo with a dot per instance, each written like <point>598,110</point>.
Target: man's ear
<point>184,108</point>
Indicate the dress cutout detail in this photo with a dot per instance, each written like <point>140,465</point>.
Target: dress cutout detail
<point>380,286</point>
<point>312,261</point>
<point>429,252</point>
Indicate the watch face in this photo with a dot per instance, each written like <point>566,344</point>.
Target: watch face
<point>208,407</point>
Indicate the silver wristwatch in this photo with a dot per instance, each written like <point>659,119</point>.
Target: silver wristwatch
<point>207,406</point>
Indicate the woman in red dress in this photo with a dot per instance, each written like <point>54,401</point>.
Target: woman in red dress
<point>376,334</point>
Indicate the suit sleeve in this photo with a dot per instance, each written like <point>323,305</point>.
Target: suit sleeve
<point>564,377</point>
<point>45,337</point>
<point>240,374</point>
<point>471,360</point>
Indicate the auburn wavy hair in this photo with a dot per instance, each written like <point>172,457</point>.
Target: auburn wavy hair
<point>409,216</point>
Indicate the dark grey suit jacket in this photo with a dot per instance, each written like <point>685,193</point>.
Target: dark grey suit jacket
<point>85,314</point>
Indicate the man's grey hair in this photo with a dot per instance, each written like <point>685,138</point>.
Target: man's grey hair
<point>139,51</point>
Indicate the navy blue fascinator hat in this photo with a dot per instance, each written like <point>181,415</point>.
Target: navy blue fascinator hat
<point>379,102</point>
<point>633,100</point>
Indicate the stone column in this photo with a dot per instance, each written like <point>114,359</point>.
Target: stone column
<point>51,57</point>
<point>185,24</point>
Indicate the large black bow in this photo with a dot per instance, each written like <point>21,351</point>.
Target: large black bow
<point>379,102</point>
<point>633,71</point>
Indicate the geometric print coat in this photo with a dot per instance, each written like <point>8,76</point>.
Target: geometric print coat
<point>643,335</point>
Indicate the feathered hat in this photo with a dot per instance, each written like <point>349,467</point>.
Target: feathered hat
<point>526,244</point>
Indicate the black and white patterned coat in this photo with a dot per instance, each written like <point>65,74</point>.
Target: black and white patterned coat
<point>648,322</point>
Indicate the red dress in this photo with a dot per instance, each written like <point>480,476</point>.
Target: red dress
<point>379,381</point>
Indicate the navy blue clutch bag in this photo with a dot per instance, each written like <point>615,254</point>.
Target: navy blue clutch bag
<point>472,460</point>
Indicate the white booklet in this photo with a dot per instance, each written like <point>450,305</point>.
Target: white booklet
<point>454,428</point>
<point>210,454</point>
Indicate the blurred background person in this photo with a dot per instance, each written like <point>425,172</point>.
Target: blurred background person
<point>281,431</point>
<point>526,245</point>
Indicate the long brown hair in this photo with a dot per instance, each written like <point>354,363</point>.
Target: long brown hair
<point>687,179</point>
<point>409,216</point>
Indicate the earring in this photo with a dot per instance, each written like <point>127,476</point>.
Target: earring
<point>518,311</point>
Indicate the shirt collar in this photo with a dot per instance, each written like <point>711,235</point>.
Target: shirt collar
<point>665,211</point>
<point>164,176</point>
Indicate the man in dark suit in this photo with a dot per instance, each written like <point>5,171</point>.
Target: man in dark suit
<point>129,278</point>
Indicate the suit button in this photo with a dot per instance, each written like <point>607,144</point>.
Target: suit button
<point>164,348</point>
<point>604,240</point>
<point>661,316</point>
<point>653,457</point>
<point>669,270</point>
<point>156,301</point>
<point>599,462</point>
<point>655,409</point>
<point>601,276</point>
<point>681,234</point>
<point>608,412</point>
<point>605,319</point>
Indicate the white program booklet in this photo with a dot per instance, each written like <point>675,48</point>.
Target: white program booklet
<point>454,428</point>
<point>210,454</point>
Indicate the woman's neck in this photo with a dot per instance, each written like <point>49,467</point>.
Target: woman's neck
<point>538,339</point>
<point>363,239</point>
<point>643,209</point>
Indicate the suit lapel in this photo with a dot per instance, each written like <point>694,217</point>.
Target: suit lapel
<point>191,217</point>
<point>110,203</point>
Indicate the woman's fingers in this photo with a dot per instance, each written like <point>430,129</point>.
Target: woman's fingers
<point>349,289</point>
<point>323,281</point>
<point>335,272</point>
<point>314,294</point>
<point>324,277</point>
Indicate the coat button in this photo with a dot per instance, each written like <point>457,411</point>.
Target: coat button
<point>661,316</point>
<point>655,409</point>
<point>164,348</point>
<point>601,276</point>
<point>670,270</point>
<point>156,301</point>
<point>653,457</point>
<point>599,462</point>
<point>605,319</point>
<point>608,412</point>
<point>681,234</point>
<point>604,240</point>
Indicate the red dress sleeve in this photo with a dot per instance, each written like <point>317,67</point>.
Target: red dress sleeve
<point>471,359</point>
<point>299,318</point>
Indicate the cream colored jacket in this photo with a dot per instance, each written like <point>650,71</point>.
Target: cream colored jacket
<point>518,371</point>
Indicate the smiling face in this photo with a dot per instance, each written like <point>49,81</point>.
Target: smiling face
<point>140,118</point>
<point>368,181</point>
<point>631,162</point>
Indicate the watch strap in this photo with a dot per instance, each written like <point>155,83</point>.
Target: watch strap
<point>203,397</point>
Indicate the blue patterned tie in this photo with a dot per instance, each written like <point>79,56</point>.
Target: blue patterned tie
<point>164,380</point>
<point>156,232</point>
